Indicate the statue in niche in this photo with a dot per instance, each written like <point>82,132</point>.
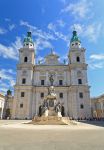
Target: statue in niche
<point>51,78</point>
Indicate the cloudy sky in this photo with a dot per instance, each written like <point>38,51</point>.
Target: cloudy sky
<point>51,23</point>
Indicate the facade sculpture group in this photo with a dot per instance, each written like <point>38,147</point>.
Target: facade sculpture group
<point>51,106</point>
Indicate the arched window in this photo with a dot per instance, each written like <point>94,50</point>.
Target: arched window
<point>25,59</point>
<point>78,59</point>
<point>60,82</point>
<point>41,95</point>
<point>80,95</point>
<point>79,81</point>
<point>23,81</point>
<point>61,95</point>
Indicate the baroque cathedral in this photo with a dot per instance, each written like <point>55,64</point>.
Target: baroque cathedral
<point>70,81</point>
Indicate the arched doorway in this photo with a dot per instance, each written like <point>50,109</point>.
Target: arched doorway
<point>8,113</point>
<point>62,111</point>
<point>40,110</point>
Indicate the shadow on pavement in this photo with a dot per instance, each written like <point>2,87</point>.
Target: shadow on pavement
<point>96,123</point>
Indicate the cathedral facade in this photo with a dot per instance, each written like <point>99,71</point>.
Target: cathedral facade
<point>70,81</point>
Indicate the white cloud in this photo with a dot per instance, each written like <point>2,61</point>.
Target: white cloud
<point>37,32</point>
<point>42,43</point>
<point>97,56</point>
<point>78,27</point>
<point>4,74</point>
<point>58,34</point>
<point>7,19</point>
<point>78,9</point>
<point>17,44</point>
<point>96,65</point>
<point>43,38</point>
<point>11,27</point>
<point>51,26</point>
<point>57,24</point>
<point>12,83</point>
<point>60,23</point>
<point>90,31</point>
<point>93,31</point>
<point>7,52</point>
<point>64,59</point>
<point>12,50</point>
<point>2,30</point>
<point>96,61</point>
<point>39,60</point>
<point>11,71</point>
<point>7,79</point>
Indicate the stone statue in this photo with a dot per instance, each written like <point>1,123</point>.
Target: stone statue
<point>51,79</point>
<point>58,108</point>
<point>51,93</point>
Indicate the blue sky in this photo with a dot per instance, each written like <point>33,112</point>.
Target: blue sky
<point>51,23</point>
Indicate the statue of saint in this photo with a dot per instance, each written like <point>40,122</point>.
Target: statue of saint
<point>58,108</point>
<point>51,79</point>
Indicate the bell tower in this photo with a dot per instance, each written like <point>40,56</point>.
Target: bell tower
<point>26,54</point>
<point>79,89</point>
<point>23,88</point>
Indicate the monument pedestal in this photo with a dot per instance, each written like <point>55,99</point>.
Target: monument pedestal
<point>52,120</point>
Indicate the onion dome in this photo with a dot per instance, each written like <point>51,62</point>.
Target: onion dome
<point>75,37</point>
<point>9,92</point>
<point>28,39</point>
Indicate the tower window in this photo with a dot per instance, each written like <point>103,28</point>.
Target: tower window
<point>78,59</point>
<point>79,81</point>
<point>42,82</point>
<point>81,106</point>
<point>61,95</point>
<point>41,95</point>
<point>21,105</point>
<point>25,59</point>
<point>60,82</point>
<point>22,94</point>
<point>23,81</point>
<point>81,95</point>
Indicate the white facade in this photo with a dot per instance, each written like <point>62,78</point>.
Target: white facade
<point>2,101</point>
<point>70,82</point>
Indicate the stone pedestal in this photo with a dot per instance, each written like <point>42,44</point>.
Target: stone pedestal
<point>53,120</point>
